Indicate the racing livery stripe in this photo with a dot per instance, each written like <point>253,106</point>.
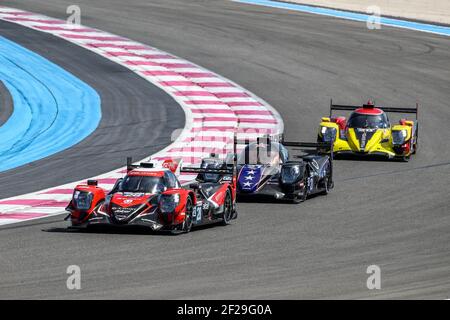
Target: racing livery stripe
<point>215,108</point>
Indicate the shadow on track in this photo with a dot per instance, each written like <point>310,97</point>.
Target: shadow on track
<point>128,230</point>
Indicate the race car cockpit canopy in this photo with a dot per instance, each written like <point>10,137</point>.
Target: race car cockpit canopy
<point>272,153</point>
<point>367,120</point>
<point>211,163</point>
<point>142,184</point>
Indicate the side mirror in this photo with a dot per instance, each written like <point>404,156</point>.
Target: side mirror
<point>116,186</point>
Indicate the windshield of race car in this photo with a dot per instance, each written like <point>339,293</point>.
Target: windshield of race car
<point>263,153</point>
<point>142,184</point>
<point>368,121</point>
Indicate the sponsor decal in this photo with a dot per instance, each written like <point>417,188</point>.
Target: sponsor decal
<point>250,177</point>
<point>198,214</point>
<point>170,164</point>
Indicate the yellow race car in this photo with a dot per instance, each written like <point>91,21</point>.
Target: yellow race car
<point>368,132</point>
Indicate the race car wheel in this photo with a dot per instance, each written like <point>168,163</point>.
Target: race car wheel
<point>302,197</point>
<point>186,226</point>
<point>326,182</point>
<point>298,199</point>
<point>227,214</point>
<point>326,186</point>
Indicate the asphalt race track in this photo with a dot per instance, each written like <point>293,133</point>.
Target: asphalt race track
<point>394,215</point>
<point>6,104</point>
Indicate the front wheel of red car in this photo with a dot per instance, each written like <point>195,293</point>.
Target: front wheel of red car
<point>227,209</point>
<point>187,224</point>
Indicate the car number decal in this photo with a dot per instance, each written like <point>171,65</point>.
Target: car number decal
<point>198,214</point>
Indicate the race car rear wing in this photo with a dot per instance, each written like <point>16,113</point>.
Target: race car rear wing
<point>170,163</point>
<point>266,139</point>
<point>321,147</point>
<point>206,170</point>
<point>229,171</point>
<point>317,145</point>
<point>261,139</point>
<point>385,109</point>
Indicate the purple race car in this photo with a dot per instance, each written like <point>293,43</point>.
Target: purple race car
<point>265,169</point>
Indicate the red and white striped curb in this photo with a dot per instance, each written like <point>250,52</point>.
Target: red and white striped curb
<point>215,107</point>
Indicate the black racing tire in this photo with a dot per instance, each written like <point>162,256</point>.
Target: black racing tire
<point>227,214</point>
<point>326,185</point>
<point>186,226</point>
<point>298,199</point>
<point>327,182</point>
<point>302,198</point>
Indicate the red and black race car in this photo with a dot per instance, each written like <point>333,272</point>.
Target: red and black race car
<point>154,198</point>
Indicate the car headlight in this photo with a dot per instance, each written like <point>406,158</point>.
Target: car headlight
<point>328,134</point>
<point>82,200</point>
<point>398,137</point>
<point>290,174</point>
<point>168,203</point>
